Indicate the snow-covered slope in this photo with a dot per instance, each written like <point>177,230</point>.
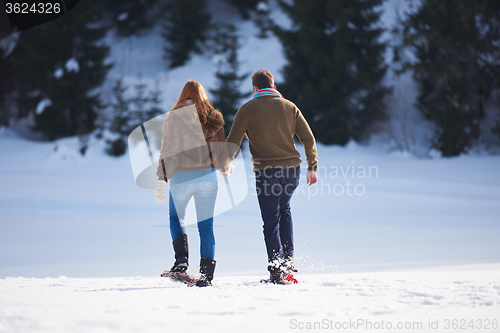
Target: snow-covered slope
<point>140,58</point>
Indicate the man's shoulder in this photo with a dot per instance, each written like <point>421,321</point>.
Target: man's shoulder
<point>288,103</point>
<point>247,105</point>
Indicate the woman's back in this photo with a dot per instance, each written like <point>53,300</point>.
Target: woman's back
<point>186,141</point>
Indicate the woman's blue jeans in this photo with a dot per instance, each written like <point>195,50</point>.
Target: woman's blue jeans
<point>205,194</point>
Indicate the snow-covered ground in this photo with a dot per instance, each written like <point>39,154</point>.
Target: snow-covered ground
<point>82,247</point>
<point>383,237</point>
<point>65,214</point>
<point>436,300</point>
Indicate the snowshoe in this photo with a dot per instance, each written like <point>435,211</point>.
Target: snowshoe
<point>291,278</point>
<point>180,277</point>
<point>285,279</point>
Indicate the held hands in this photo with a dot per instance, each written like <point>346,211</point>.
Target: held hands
<point>312,178</point>
<point>160,191</point>
<point>227,170</point>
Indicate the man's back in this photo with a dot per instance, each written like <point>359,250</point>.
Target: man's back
<point>270,123</point>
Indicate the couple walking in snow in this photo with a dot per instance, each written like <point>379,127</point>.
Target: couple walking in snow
<point>270,123</point>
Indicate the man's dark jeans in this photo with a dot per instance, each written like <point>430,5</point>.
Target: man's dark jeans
<point>275,188</point>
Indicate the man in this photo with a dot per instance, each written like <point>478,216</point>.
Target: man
<point>270,122</point>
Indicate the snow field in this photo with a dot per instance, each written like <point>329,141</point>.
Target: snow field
<point>242,304</point>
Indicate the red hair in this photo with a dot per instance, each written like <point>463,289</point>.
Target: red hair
<point>194,91</point>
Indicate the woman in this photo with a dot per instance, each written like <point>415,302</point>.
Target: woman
<point>190,166</point>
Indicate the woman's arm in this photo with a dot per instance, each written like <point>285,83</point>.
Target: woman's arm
<point>170,144</point>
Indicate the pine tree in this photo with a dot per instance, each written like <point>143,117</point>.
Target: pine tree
<point>187,23</point>
<point>457,50</point>
<point>146,104</point>
<point>131,16</point>
<point>6,85</point>
<point>63,60</point>
<point>496,129</point>
<point>155,108</point>
<point>226,95</point>
<point>263,21</point>
<point>244,6</point>
<point>121,116</point>
<point>335,65</point>
<point>140,103</point>
<point>129,112</point>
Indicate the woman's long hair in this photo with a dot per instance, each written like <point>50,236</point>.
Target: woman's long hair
<point>194,91</point>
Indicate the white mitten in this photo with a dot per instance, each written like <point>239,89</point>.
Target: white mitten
<point>160,191</point>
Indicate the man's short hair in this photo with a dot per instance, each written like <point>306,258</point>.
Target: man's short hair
<point>263,79</point>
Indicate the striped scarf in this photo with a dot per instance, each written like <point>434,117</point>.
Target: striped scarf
<point>267,92</point>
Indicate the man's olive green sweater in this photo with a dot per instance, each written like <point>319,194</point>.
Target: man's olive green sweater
<point>270,123</point>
